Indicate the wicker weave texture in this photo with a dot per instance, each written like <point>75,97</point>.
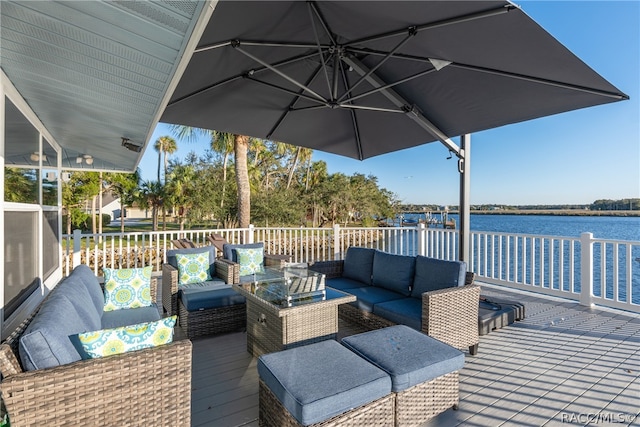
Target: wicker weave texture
<point>212,321</point>
<point>451,315</point>
<point>377,413</point>
<point>331,269</point>
<point>140,388</point>
<point>424,401</point>
<point>270,330</point>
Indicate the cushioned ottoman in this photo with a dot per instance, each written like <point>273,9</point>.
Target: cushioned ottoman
<point>423,370</point>
<point>323,383</point>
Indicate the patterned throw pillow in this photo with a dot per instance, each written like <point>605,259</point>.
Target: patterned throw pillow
<point>250,260</point>
<point>127,288</point>
<point>127,338</point>
<point>193,268</point>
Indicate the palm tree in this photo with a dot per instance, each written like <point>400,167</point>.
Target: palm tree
<point>125,185</point>
<point>240,148</point>
<point>180,190</point>
<point>302,155</point>
<point>165,145</point>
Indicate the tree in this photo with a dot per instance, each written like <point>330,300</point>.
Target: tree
<point>164,145</point>
<point>152,195</point>
<point>181,190</point>
<point>81,187</point>
<point>241,146</point>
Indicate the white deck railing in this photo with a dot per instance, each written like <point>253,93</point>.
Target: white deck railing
<point>586,269</point>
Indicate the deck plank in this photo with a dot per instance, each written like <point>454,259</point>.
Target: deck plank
<point>561,361</point>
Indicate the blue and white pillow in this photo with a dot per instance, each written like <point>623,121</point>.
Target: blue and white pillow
<point>107,342</point>
<point>127,288</point>
<point>250,260</point>
<point>193,268</point>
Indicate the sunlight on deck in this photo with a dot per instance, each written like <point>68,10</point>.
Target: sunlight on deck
<point>560,366</point>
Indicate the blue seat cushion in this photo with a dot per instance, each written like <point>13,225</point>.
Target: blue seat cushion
<point>408,356</point>
<point>215,295</point>
<point>343,284</point>
<point>318,381</point>
<point>394,272</point>
<point>172,260</point>
<point>405,311</point>
<point>368,296</point>
<point>357,264</point>
<point>433,274</point>
<point>45,343</point>
<point>130,316</point>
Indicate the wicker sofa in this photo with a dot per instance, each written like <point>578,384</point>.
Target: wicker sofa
<point>426,294</point>
<point>150,386</point>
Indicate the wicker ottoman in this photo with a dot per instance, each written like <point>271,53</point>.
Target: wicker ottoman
<point>323,384</point>
<point>423,370</point>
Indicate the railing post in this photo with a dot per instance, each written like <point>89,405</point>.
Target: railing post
<point>336,241</point>
<point>76,258</point>
<point>422,239</point>
<point>586,269</point>
<point>250,236</point>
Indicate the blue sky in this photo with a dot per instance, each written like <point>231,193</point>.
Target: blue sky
<point>575,157</point>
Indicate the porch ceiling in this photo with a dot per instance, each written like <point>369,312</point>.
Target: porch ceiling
<point>95,72</point>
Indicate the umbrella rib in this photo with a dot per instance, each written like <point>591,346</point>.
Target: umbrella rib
<point>236,77</point>
<point>354,118</point>
<point>278,72</point>
<point>282,89</point>
<point>437,24</point>
<point>317,36</point>
<point>314,7</point>
<point>540,80</point>
<point>290,108</point>
<point>390,85</point>
<point>259,43</point>
<point>367,108</point>
<point>410,33</point>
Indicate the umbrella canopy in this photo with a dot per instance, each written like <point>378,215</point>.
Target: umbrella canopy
<point>362,79</point>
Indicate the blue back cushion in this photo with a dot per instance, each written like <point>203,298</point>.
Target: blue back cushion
<point>358,264</point>
<point>172,260</point>
<point>433,274</point>
<point>229,250</point>
<point>394,272</point>
<point>86,276</point>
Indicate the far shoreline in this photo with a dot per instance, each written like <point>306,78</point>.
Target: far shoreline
<point>554,212</point>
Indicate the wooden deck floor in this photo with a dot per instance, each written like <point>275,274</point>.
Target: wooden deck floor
<point>560,366</point>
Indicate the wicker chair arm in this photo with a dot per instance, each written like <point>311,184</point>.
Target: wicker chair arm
<point>271,260</point>
<point>451,315</point>
<point>87,392</point>
<point>170,289</point>
<point>331,269</point>
<point>227,270</point>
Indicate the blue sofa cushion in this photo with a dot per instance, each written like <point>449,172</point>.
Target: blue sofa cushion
<point>408,356</point>
<point>368,296</point>
<point>357,265</point>
<point>321,380</point>
<point>129,316</point>
<point>45,343</point>
<point>229,250</point>
<point>433,274</point>
<point>212,296</point>
<point>394,272</point>
<point>78,294</point>
<point>171,256</point>
<point>86,276</point>
<point>405,311</point>
<point>343,284</point>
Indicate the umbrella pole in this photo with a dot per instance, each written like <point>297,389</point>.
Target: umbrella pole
<point>464,167</point>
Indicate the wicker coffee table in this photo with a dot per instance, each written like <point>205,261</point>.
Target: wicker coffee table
<point>290,308</point>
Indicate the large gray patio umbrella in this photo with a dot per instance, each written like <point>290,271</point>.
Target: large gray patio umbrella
<point>361,79</point>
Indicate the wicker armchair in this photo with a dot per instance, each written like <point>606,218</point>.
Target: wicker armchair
<point>144,387</point>
<point>449,315</point>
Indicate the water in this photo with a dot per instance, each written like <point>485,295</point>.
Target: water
<point>602,227</point>
<point>609,228</point>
